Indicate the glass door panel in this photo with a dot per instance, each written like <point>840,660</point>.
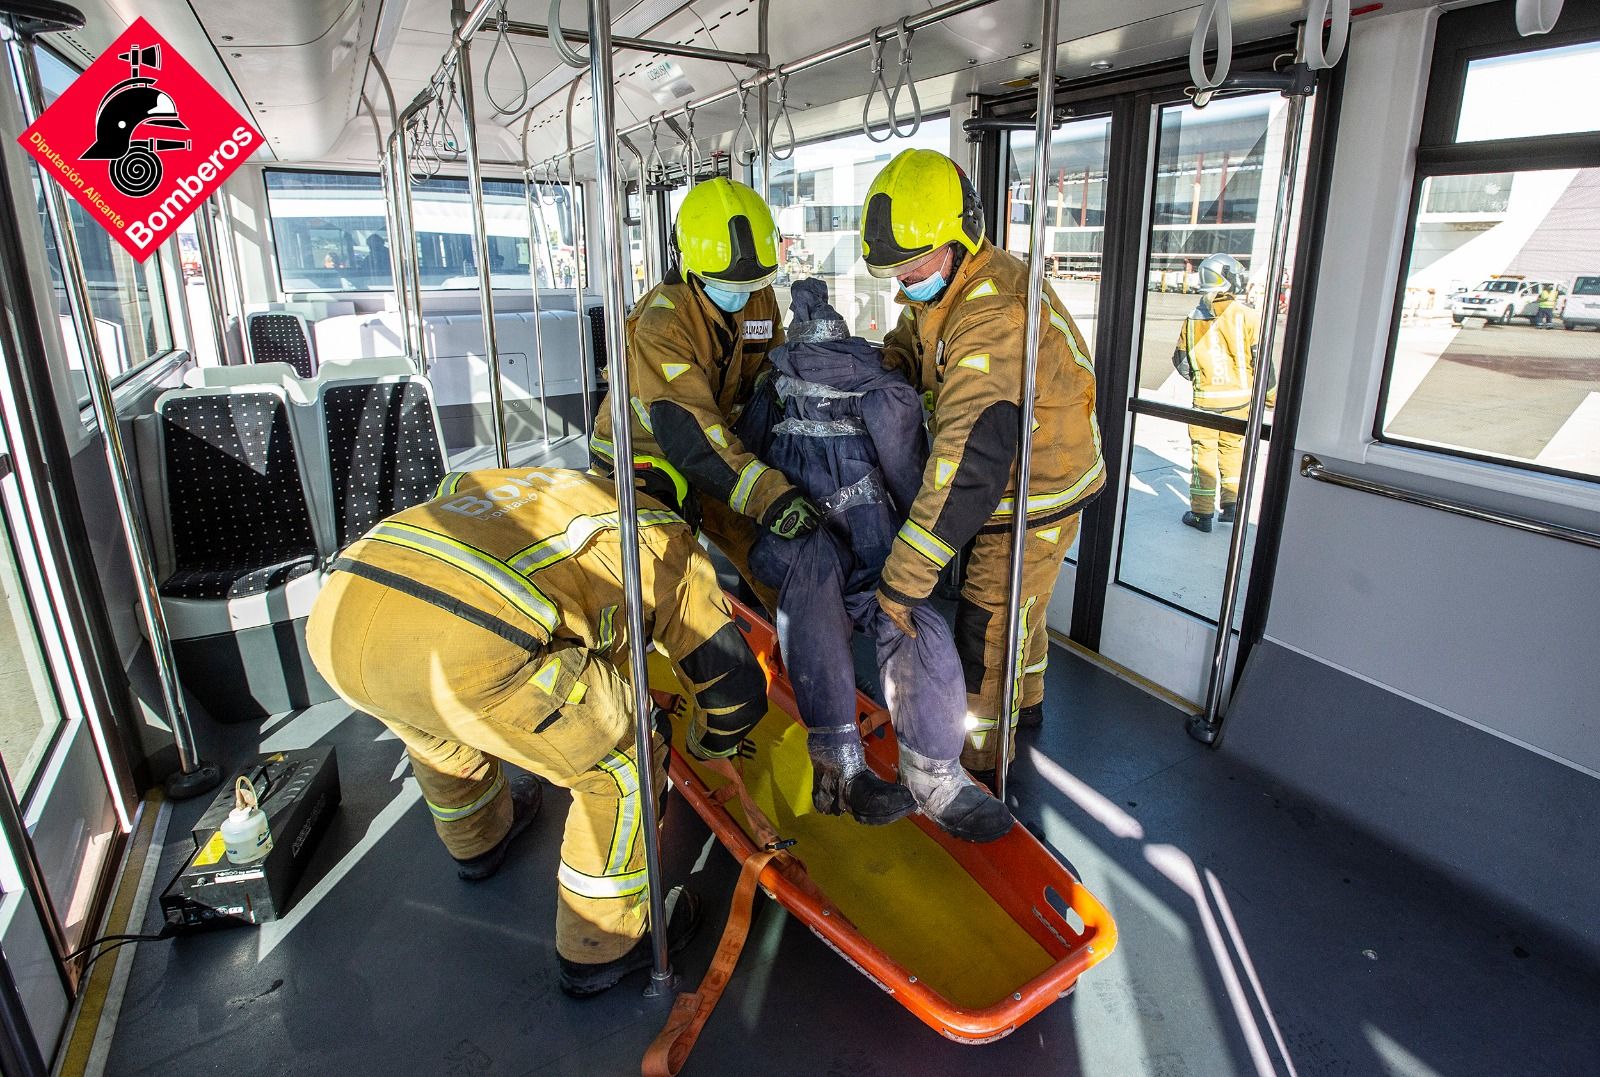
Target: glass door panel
<point>1074,205</point>
<point>1216,174</point>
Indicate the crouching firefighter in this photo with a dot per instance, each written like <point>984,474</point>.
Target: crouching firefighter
<point>850,435</point>
<point>698,344</point>
<point>962,339</point>
<point>488,625</point>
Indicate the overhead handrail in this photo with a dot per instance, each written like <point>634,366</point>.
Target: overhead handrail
<point>783,115</point>
<point>1536,17</point>
<point>930,17</point>
<point>501,41</point>
<point>569,55</point>
<point>1312,468</point>
<point>1322,55</point>
<point>875,83</point>
<point>905,82</point>
<point>1212,13</point>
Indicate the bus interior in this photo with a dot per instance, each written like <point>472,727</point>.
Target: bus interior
<point>1333,768</point>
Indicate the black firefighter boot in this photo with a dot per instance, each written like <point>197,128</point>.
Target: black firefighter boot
<point>842,782</point>
<point>526,797</point>
<point>948,795</point>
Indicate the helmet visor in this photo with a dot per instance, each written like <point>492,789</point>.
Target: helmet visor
<point>739,285</point>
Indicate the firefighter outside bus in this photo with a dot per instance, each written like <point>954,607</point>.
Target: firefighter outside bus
<point>1216,353</point>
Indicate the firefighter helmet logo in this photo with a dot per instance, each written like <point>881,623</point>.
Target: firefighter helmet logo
<point>140,139</point>
<point>128,109</point>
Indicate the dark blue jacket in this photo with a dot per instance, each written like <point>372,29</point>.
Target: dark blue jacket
<point>844,430</point>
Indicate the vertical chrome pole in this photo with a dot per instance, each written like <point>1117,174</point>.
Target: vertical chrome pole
<point>763,145</point>
<point>480,237</point>
<point>194,775</point>
<point>580,255</point>
<point>531,194</point>
<point>411,255</point>
<point>230,255</point>
<point>391,220</point>
<point>402,249</point>
<point>205,233</point>
<point>613,256</point>
<point>1205,727</point>
<point>1011,687</point>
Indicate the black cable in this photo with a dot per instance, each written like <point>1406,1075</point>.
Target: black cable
<point>108,938</point>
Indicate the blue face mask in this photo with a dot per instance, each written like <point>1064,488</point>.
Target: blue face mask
<point>726,299</point>
<point>925,289</point>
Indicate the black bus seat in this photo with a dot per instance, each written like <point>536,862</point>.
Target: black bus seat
<point>281,336</point>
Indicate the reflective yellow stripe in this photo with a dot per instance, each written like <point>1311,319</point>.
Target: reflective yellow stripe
<point>1044,502</point>
<point>746,485</point>
<point>926,543</point>
<point>547,676</point>
<point>450,484</point>
<point>515,589</point>
<point>608,628</point>
<point>579,533</point>
<point>644,416</point>
<point>663,301</point>
<point>1060,322</point>
<point>626,884</point>
<point>671,371</point>
<point>978,362</point>
<point>579,690</point>
<point>1039,666</point>
<point>450,815</point>
<point>984,288</point>
<point>1232,398</point>
<point>626,775</point>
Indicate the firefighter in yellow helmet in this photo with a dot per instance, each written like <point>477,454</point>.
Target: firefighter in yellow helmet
<point>697,344</point>
<point>962,339</point>
<point>488,625</point>
<point>1217,353</point>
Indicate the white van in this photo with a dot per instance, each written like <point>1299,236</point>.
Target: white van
<point>1583,305</point>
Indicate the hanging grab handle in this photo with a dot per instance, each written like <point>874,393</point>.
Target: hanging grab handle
<point>558,37</point>
<point>783,115</point>
<point>906,83</point>
<point>501,41</point>
<point>1319,55</point>
<point>689,156</point>
<point>875,83</point>
<point>745,130</point>
<point>1537,16</point>
<point>1212,12</point>
<point>656,164</point>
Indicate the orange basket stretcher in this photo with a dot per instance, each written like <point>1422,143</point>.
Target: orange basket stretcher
<point>975,940</point>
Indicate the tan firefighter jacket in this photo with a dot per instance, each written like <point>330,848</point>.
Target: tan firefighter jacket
<point>694,368</point>
<point>515,551</point>
<point>1218,354</point>
<point>965,350</point>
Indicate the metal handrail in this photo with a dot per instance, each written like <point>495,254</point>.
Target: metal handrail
<point>1312,468</point>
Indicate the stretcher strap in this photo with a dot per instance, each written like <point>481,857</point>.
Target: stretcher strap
<point>690,1012</point>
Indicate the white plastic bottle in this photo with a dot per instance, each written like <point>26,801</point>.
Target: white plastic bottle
<point>245,834</point>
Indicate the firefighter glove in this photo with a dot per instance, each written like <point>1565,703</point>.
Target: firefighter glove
<point>899,613</point>
<point>792,515</point>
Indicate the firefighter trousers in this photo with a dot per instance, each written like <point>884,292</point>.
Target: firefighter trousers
<point>462,700</point>
<point>1216,454</point>
<point>981,622</point>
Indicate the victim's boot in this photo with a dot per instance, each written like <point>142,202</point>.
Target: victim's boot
<point>841,781</point>
<point>948,795</point>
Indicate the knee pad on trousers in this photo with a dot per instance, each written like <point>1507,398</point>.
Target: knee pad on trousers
<point>972,629</point>
<point>729,686</point>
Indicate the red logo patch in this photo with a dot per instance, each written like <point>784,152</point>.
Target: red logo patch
<point>140,139</point>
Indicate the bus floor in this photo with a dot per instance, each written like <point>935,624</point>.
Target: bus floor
<point>1258,935</point>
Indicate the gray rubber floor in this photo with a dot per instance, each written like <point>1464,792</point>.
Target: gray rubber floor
<point>1258,936</point>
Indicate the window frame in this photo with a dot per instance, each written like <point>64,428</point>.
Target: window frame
<point>1464,36</point>
<point>161,356</point>
<point>277,263</point>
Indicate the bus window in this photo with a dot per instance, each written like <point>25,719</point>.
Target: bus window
<point>128,301</point>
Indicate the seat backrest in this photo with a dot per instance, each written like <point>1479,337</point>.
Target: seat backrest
<point>278,336</point>
<point>384,449</point>
<point>249,374</point>
<point>235,491</point>
<point>347,369</point>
